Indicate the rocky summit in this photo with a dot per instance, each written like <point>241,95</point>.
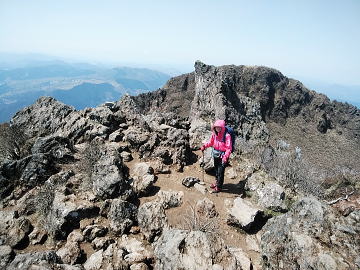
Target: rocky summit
<point>124,185</point>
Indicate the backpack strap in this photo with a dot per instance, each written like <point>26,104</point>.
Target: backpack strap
<point>224,137</point>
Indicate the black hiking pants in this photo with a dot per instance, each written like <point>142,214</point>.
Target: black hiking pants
<point>219,171</point>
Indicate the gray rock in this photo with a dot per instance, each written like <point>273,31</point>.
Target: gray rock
<point>6,187</point>
<point>137,251</point>
<point>101,115</point>
<point>143,178</point>
<point>252,243</point>
<point>67,267</point>
<point>231,173</point>
<point>94,262</point>
<point>170,199</point>
<point>160,168</point>
<point>206,208</point>
<point>139,266</point>
<point>178,249</point>
<point>152,219</point>
<point>71,253</point>
<point>109,176</point>
<point>6,256</point>
<point>66,213</point>
<point>190,181</point>
<point>126,156</point>
<point>142,169</point>
<point>75,236</point>
<point>85,125</point>
<point>272,196</point>
<point>102,243</point>
<point>7,221</point>
<point>142,184</point>
<point>116,136</point>
<point>59,148</point>
<point>28,172</point>
<point>114,256</point>
<point>122,216</point>
<point>18,233</point>
<point>207,161</point>
<point>267,193</point>
<point>135,137</point>
<point>244,214</point>
<point>308,229</point>
<point>242,258</point>
<point>201,188</point>
<point>44,117</point>
<point>25,260</point>
<point>93,231</point>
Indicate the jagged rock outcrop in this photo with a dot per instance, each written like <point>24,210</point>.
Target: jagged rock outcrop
<point>263,106</point>
<point>310,235</point>
<point>44,117</point>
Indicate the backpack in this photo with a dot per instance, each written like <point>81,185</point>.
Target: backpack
<point>232,134</point>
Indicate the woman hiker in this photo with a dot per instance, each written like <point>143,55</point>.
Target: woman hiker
<point>222,146</point>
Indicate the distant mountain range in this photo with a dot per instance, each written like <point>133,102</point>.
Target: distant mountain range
<point>79,85</point>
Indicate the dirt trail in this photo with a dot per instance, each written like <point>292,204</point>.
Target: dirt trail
<point>232,236</point>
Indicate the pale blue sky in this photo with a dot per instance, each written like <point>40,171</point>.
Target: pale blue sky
<point>312,39</point>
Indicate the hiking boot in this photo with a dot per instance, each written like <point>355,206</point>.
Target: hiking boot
<point>216,190</point>
<point>213,186</point>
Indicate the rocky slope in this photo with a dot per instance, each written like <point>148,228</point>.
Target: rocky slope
<point>121,187</point>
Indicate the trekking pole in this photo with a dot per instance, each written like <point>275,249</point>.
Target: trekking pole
<point>203,167</point>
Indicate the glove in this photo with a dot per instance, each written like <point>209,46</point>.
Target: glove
<point>202,148</point>
<point>224,160</point>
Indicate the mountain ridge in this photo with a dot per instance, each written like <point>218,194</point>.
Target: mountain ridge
<point>123,185</point>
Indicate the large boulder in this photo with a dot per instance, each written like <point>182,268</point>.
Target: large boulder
<point>33,259</point>
<point>136,251</point>
<point>6,255</point>
<point>310,236</point>
<point>65,214</point>
<point>152,219</point>
<point>143,178</point>
<point>71,253</point>
<point>110,176</point>
<point>179,249</point>
<point>245,215</point>
<point>267,193</point>
<point>95,261</point>
<point>122,216</point>
<point>14,230</point>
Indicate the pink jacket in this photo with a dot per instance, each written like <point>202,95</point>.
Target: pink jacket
<point>216,140</point>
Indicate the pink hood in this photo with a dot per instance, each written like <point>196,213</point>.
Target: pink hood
<point>219,123</point>
<point>216,141</point>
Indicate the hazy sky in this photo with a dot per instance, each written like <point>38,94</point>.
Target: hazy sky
<point>308,38</point>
